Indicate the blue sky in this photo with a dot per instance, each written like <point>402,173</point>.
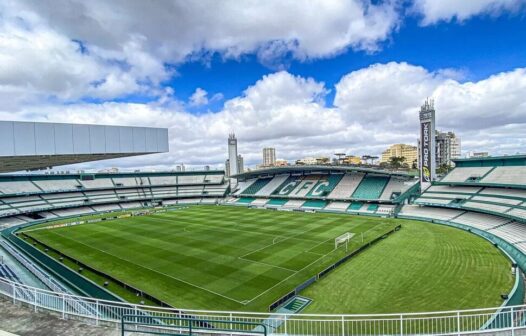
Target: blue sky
<point>309,78</point>
<point>476,48</point>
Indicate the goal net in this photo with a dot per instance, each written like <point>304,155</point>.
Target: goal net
<point>343,239</point>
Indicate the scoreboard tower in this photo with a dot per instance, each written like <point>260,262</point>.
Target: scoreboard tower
<point>427,146</point>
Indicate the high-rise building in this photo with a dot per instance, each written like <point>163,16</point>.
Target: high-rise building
<point>269,157</point>
<point>448,148</point>
<point>232,167</point>
<point>239,163</point>
<point>409,152</point>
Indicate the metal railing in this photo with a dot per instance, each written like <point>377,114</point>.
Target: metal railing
<point>507,320</point>
<point>187,326</point>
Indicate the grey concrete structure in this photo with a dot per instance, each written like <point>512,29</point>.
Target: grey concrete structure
<point>33,145</point>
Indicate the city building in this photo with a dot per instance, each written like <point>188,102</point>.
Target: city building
<point>281,163</point>
<point>239,166</point>
<point>352,160</point>
<point>477,154</point>
<point>409,152</point>
<point>269,157</point>
<point>231,167</point>
<point>448,148</point>
<point>309,160</point>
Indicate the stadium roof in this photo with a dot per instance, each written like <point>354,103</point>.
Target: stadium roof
<point>314,168</point>
<point>508,160</point>
<point>32,145</point>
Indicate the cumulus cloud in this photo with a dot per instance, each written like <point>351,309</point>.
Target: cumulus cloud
<point>434,11</point>
<point>373,108</point>
<point>199,97</point>
<point>98,49</point>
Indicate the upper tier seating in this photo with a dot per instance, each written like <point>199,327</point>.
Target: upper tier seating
<point>395,185</point>
<point>466,174</point>
<point>325,185</point>
<point>214,178</point>
<point>58,184</point>
<point>272,185</point>
<point>163,180</point>
<point>97,183</point>
<point>287,186</point>
<point>191,179</point>
<point>347,186</point>
<point>305,185</point>
<point>256,186</point>
<point>18,187</point>
<point>242,185</point>
<point>371,187</point>
<point>507,175</point>
<point>125,181</point>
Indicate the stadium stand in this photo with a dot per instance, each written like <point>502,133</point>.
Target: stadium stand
<point>337,206</point>
<point>339,189</point>
<point>59,195</point>
<point>466,174</point>
<point>395,187</point>
<point>371,187</point>
<point>325,185</point>
<point>293,204</point>
<point>347,186</point>
<point>256,186</point>
<point>272,185</point>
<point>506,175</point>
<point>429,212</point>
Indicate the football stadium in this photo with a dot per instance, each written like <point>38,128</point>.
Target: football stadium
<point>295,250</point>
<point>262,168</point>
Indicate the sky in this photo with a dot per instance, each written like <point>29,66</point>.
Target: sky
<point>309,78</point>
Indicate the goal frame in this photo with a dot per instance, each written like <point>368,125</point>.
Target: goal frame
<point>343,239</point>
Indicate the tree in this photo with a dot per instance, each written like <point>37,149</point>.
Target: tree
<point>396,161</point>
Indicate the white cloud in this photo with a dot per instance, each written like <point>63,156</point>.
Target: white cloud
<point>123,46</point>
<point>434,11</point>
<point>199,97</point>
<point>374,107</point>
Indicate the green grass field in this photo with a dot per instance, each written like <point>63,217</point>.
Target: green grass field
<point>219,257</point>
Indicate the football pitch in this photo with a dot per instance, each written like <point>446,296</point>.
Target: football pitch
<point>234,258</point>
<point>214,257</point>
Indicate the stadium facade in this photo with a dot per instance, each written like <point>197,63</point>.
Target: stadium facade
<point>484,196</point>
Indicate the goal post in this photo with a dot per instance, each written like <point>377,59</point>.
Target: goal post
<point>343,239</point>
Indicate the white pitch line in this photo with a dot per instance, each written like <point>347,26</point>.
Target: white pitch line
<point>209,228</point>
<point>264,263</point>
<point>153,270</point>
<point>290,276</point>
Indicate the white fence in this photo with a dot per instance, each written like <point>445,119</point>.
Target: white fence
<point>479,321</point>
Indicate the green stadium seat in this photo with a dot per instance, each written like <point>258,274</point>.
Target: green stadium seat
<point>317,204</point>
<point>371,187</point>
<point>256,186</point>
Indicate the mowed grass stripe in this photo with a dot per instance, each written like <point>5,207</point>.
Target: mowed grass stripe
<point>201,246</point>
<point>197,267</point>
